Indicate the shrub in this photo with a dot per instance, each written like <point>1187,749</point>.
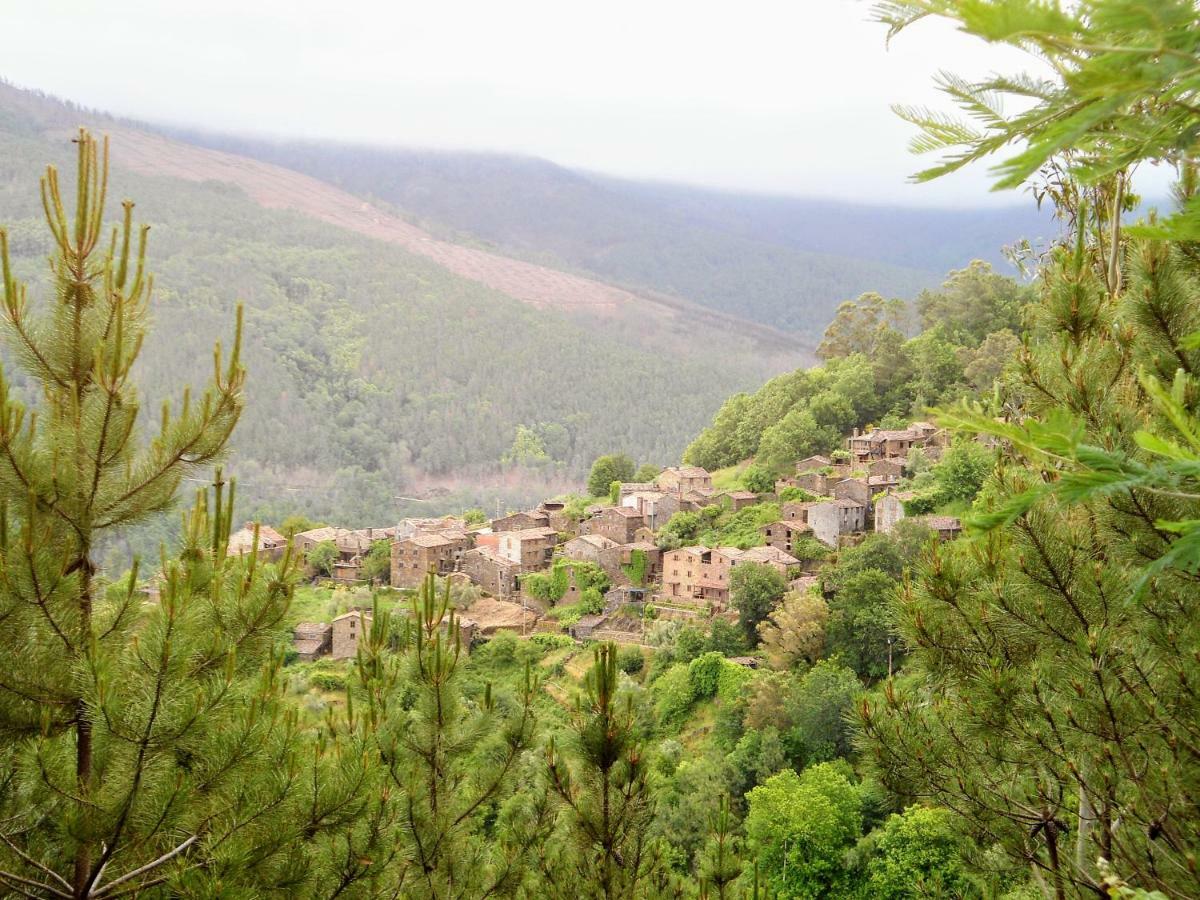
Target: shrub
<point>630,660</point>
<point>327,681</point>
<point>704,672</point>
<point>673,695</point>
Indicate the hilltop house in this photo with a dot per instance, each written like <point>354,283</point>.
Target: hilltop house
<point>853,489</point>
<point>655,507</point>
<point>522,521</point>
<point>946,527</point>
<point>312,639</point>
<point>493,573</point>
<point>681,479</point>
<point>701,573</point>
<point>347,630</point>
<point>617,523</point>
<point>271,543</point>
<point>587,547</point>
<point>438,552</point>
<point>830,519</point>
<point>531,548</point>
<point>784,535</point>
<point>889,510</point>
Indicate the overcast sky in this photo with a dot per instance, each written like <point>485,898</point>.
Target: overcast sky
<point>775,95</point>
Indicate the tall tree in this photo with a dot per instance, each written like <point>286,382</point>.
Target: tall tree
<point>1055,708</point>
<point>448,767</point>
<point>604,790</point>
<point>144,742</point>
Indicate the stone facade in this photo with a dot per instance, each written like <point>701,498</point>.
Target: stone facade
<point>493,573</point>
<point>311,640</point>
<point>681,479</point>
<point>853,489</point>
<point>784,535</point>
<point>520,521</point>
<point>888,511</point>
<point>348,629</point>
<point>414,557</point>
<point>617,523</point>
<point>531,549</point>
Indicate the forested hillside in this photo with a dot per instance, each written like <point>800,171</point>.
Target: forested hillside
<point>378,373</point>
<point>782,261</point>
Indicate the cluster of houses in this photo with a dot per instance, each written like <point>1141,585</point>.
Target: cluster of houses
<point>852,495</point>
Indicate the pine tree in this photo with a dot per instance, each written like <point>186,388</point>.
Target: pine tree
<point>1052,704</point>
<point>449,767</point>
<point>720,866</point>
<point>607,802</point>
<point>144,743</point>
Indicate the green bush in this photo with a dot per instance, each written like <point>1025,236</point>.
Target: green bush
<point>630,660</point>
<point>673,695</point>
<point>704,672</point>
<point>327,681</point>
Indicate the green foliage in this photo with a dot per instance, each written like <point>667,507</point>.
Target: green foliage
<point>607,469</point>
<point>862,325</point>
<point>630,660</point>
<point>442,762</point>
<point>754,591</point>
<point>646,473</point>
<point>141,740</point>
<point>674,694</point>
<point>475,516</point>
<point>377,564</point>
<point>294,524</point>
<point>637,568</point>
<point>973,303</point>
<point>321,557</point>
<point>552,585</point>
<point>918,853</point>
<point>758,479</point>
<point>956,478</point>
<point>704,674</point>
<point>819,708</point>
<point>800,826</point>
<point>603,790</point>
<point>1049,653</point>
<point>860,630</point>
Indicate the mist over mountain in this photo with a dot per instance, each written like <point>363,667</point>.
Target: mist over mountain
<point>781,261</point>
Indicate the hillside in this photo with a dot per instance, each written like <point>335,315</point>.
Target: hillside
<point>383,362</point>
<point>782,261</point>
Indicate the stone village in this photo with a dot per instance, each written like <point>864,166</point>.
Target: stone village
<point>852,493</point>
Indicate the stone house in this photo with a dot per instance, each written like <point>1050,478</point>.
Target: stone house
<point>682,570</point>
<point>522,521</point>
<point>351,545</point>
<point>946,527</point>
<point>615,559</point>
<point>556,514</point>
<point>891,444</point>
<point>889,510</point>
<point>891,469</point>
<point>617,523</point>
<point>853,489</point>
<point>587,547</point>
<point>271,544</point>
<point>647,504</point>
<point>830,519</point>
<point>699,573</point>
<point>644,535</point>
<point>696,499</point>
<point>739,500</point>
<point>438,552</point>
<point>531,548</point>
<point>774,557</point>
<point>312,639</point>
<point>494,574</point>
<point>634,487</point>
<point>812,464</point>
<point>794,510</point>
<point>814,482</point>
<point>681,479</point>
<point>784,535</point>
<point>348,629</point>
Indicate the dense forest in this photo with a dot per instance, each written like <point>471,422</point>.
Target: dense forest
<point>777,260</point>
<point>1010,715</point>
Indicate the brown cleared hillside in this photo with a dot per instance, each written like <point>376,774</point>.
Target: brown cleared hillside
<point>276,187</point>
